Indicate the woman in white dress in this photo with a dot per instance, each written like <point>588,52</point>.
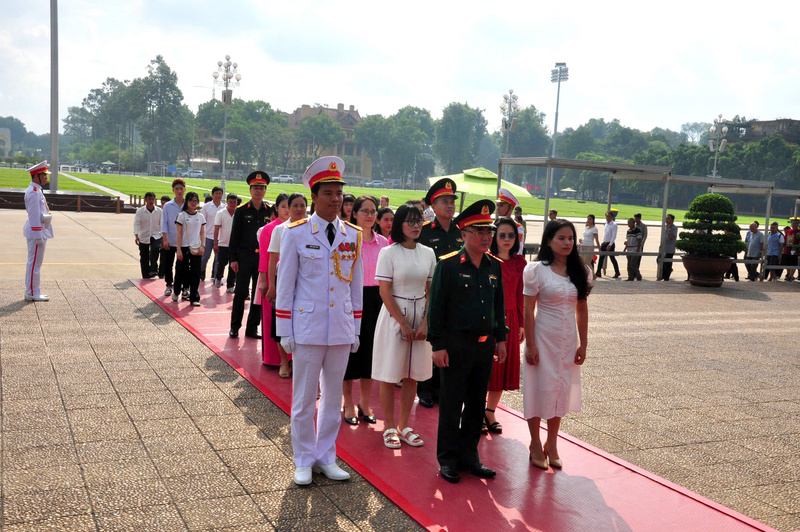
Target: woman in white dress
<point>404,273</point>
<point>556,286</point>
<point>590,240</point>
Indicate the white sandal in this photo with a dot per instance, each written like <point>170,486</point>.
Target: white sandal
<point>414,440</point>
<point>390,439</point>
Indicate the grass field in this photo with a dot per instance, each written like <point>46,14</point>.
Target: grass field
<point>138,185</point>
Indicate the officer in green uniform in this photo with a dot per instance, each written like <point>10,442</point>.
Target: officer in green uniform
<point>442,235</point>
<point>243,250</point>
<point>466,321</point>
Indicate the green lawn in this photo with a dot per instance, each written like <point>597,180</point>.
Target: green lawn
<point>138,185</point>
<point>17,178</point>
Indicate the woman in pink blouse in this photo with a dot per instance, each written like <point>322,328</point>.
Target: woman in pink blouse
<point>271,352</point>
<point>359,367</point>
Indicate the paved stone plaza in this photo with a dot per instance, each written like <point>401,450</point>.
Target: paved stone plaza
<point>114,417</point>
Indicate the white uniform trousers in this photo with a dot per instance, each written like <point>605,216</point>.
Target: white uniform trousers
<point>312,366</point>
<point>35,258</point>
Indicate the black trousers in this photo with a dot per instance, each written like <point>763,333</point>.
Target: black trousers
<point>752,269</point>
<point>246,282</point>
<point>167,258</point>
<point>148,257</point>
<point>187,274</point>
<point>666,271</point>
<point>222,260</point>
<point>605,246</point>
<point>462,398</point>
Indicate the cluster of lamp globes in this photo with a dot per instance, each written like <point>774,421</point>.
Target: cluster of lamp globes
<point>717,136</point>
<point>225,68</point>
<point>512,106</point>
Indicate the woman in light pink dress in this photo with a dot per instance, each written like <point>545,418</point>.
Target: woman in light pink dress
<point>270,349</point>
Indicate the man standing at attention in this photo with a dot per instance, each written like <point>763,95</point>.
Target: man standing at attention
<point>318,317</point>
<point>147,230</point>
<point>209,212</point>
<point>466,320</point>
<point>442,235</point>
<point>243,252</point>
<point>37,230</point>
<point>609,236</point>
<point>169,233</point>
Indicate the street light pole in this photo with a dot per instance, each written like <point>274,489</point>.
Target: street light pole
<point>557,75</point>
<point>230,78</point>
<point>509,107</point>
<point>717,142</point>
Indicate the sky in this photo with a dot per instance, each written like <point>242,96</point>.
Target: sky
<point>648,64</point>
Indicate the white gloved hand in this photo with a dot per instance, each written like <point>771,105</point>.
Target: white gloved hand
<point>287,343</point>
<point>354,345</point>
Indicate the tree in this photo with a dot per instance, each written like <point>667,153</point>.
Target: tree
<point>320,132</point>
<point>458,137</point>
<point>530,138</point>
<point>164,124</point>
<point>695,130</point>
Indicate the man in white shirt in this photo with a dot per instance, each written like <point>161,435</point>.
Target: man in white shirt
<point>221,240</point>
<point>37,230</point>
<point>609,237</point>
<point>210,211</point>
<point>147,230</point>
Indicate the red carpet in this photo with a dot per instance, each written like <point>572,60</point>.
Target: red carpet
<point>594,492</point>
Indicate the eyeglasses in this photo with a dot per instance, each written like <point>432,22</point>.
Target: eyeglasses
<point>506,236</point>
<point>365,212</point>
<point>414,223</point>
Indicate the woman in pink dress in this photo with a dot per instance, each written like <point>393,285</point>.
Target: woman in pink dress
<point>270,349</point>
<point>556,287</point>
<point>505,376</point>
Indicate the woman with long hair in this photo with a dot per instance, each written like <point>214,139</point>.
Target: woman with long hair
<point>384,220</point>
<point>359,366</point>
<point>556,286</point>
<point>270,247</point>
<point>505,376</point>
<point>190,247</point>
<point>346,210</point>
<point>404,272</point>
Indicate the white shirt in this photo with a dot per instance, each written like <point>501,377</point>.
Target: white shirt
<point>224,220</point>
<point>275,239</point>
<point>147,224</point>
<point>209,212</point>
<point>191,229</point>
<point>610,232</point>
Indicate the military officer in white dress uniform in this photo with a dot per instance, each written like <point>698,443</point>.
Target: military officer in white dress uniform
<point>318,317</point>
<point>37,230</point>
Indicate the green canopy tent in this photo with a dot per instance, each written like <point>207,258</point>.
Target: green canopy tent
<point>480,182</point>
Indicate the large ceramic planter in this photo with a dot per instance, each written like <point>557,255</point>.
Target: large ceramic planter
<point>706,271</point>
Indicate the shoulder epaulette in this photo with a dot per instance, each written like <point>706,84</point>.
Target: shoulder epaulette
<point>427,223</point>
<point>245,204</point>
<point>495,258</point>
<point>452,254</point>
<point>354,226</point>
<point>298,222</point>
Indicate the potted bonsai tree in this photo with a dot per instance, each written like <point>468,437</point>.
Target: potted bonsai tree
<point>711,241</point>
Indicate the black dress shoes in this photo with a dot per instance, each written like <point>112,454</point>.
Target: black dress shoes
<point>234,333</point>
<point>479,470</point>
<point>427,402</point>
<point>450,474</point>
<point>251,334</point>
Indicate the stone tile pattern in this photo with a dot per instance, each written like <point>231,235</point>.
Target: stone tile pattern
<point>114,417</point>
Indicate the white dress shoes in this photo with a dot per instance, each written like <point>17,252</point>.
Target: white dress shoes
<point>332,471</point>
<point>302,476</point>
<point>41,297</point>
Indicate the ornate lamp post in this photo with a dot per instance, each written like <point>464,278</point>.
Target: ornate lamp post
<point>230,78</point>
<point>557,75</point>
<point>717,142</point>
<point>509,107</point>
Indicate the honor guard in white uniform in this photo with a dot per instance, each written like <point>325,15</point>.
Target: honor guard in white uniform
<point>506,203</point>
<point>318,317</point>
<point>37,230</point>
